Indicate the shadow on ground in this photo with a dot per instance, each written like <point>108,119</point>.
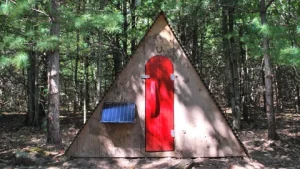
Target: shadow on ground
<point>15,137</point>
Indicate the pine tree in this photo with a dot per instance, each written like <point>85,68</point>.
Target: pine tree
<point>268,75</point>
<point>53,78</point>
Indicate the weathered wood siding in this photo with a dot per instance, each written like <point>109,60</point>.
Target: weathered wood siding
<point>200,128</point>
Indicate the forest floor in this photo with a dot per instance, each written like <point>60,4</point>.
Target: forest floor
<point>25,147</point>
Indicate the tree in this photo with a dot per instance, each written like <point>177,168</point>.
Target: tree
<point>133,25</point>
<point>53,78</point>
<point>268,74</point>
<point>230,57</point>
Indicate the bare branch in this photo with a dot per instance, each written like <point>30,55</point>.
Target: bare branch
<point>39,11</point>
<point>13,1</point>
<point>267,6</point>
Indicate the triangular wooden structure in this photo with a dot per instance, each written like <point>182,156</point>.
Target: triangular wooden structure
<point>198,127</point>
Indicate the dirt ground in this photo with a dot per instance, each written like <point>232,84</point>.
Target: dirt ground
<point>25,147</point>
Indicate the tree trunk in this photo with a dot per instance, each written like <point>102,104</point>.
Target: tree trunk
<point>116,56</point>
<point>125,25</point>
<point>268,76</point>
<point>116,51</point>
<point>85,82</point>
<point>99,66</point>
<point>201,53</point>
<point>76,98</point>
<point>235,74</point>
<point>230,71</point>
<point>30,91</point>
<point>43,96</point>
<point>276,89</point>
<point>226,53</point>
<point>182,25</point>
<point>244,77</point>
<point>53,79</point>
<point>85,89</point>
<point>279,87</point>
<point>264,92</point>
<point>133,25</point>
<point>36,77</point>
<point>195,44</point>
<point>36,92</point>
<point>297,101</point>
<point>99,57</point>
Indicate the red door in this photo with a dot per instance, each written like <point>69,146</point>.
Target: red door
<point>159,105</point>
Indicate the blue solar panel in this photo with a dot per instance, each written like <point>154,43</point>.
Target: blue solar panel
<point>118,112</point>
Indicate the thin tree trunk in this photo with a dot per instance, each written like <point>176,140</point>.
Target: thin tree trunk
<point>264,92</point>
<point>182,24</point>
<point>133,25</point>
<point>183,31</point>
<point>30,92</point>
<point>235,74</point>
<point>116,52</point>
<point>229,85</point>
<point>276,88</point>
<point>76,98</point>
<point>36,78</point>
<point>99,57</point>
<point>229,65</point>
<point>85,83</point>
<point>279,87</point>
<point>36,92</point>
<point>125,25</point>
<point>30,86</point>
<point>268,75</point>
<point>85,89</point>
<point>247,81</point>
<point>43,98</point>
<point>195,43</point>
<point>244,77</point>
<point>201,53</point>
<point>53,79</point>
<point>99,66</point>
<point>116,56</point>
<point>297,100</point>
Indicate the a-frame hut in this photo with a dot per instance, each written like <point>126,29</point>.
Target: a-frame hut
<point>158,106</point>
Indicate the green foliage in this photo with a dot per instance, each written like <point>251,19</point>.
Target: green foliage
<point>5,8</point>
<point>14,42</point>
<point>265,30</point>
<point>83,20</point>
<point>261,29</point>
<point>45,43</point>
<point>110,22</point>
<point>16,9</point>
<point>4,61</point>
<point>290,56</point>
<point>20,60</point>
